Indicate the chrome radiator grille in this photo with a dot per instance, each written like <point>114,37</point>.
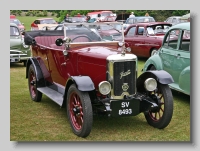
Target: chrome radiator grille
<point>124,75</point>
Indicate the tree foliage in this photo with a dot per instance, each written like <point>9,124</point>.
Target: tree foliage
<point>159,15</point>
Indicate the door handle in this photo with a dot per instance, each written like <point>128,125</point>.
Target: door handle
<point>177,55</point>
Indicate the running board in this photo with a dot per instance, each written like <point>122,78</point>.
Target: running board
<point>52,94</point>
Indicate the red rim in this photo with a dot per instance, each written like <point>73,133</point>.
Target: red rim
<point>32,84</point>
<point>156,116</point>
<point>76,111</point>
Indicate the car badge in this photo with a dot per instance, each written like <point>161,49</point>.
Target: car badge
<point>123,74</point>
<point>125,86</point>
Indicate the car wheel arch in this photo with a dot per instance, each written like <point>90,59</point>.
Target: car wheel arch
<point>83,83</point>
<point>39,74</point>
<point>160,76</point>
<point>184,80</point>
<point>153,61</point>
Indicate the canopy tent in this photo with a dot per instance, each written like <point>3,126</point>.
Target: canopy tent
<point>185,17</point>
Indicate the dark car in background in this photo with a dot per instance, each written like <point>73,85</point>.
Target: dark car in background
<point>87,75</point>
<point>145,39</point>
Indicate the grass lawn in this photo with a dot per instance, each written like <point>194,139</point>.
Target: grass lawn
<point>46,121</point>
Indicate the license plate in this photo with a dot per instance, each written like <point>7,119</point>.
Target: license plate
<point>122,108</point>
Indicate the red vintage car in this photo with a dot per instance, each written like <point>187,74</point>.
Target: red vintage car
<point>145,39</point>
<point>87,75</point>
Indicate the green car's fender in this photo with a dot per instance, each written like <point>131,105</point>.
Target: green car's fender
<point>184,80</point>
<point>153,61</point>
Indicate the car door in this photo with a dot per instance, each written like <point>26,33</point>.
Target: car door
<point>174,59</point>
<point>181,58</point>
<point>135,39</point>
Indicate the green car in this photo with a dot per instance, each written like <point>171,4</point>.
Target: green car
<point>19,52</point>
<point>174,57</point>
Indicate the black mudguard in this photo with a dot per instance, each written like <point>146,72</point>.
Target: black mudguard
<point>38,71</point>
<point>84,83</point>
<point>160,76</point>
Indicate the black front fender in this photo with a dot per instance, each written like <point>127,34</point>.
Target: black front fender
<point>160,76</point>
<point>38,71</point>
<point>84,83</point>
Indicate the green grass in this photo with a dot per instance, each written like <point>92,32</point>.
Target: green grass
<point>46,121</point>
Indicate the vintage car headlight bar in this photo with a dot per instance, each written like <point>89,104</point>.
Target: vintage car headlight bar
<point>104,87</point>
<point>150,84</point>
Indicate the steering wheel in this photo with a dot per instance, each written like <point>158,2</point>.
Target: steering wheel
<point>82,36</point>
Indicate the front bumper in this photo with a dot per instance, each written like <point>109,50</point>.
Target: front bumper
<point>132,106</point>
<point>18,56</point>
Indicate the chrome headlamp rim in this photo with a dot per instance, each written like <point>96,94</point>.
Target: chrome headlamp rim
<point>120,43</point>
<point>100,87</point>
<point>150,84</point>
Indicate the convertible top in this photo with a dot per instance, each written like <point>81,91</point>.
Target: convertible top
<point>29,36</point>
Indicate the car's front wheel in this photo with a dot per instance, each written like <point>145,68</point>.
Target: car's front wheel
<point>161,117</point>
<point>79,111</point>
<point>152,68</point>
<point>32,84</point>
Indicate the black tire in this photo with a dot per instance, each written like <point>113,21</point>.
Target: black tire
<point>153,52</point>
<point>32,84</point>
<point>24,62</point>
<point>161,117</point>
<point>152,68</point>
<point>79,111</point>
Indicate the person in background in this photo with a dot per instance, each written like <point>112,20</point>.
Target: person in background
<point>78,15</point>
<point>66,17</point>
<point>147,14</point>
<point>98,18</point>
<point>88,18</point>
<point>131,15</point>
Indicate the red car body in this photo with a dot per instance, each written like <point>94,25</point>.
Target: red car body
<point>145,39</point>
<point>34,24</point>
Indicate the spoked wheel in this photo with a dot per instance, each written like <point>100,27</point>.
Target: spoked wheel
<point>161,117</point>
<point>79,111</point>
<point>32,84</point>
